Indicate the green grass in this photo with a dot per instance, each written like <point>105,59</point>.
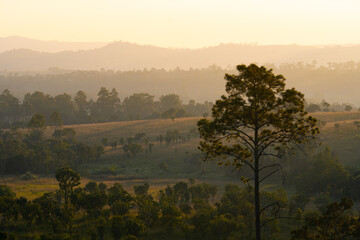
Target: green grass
<point>35,188</point>
<point>30,189</point>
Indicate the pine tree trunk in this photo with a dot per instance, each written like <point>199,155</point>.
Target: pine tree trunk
<point>257,200</point>
<point>256,181</point>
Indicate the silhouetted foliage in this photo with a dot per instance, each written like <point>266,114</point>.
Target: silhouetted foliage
<point>257,118</point>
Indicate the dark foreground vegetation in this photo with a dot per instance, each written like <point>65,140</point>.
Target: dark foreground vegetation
<point>186,210</point>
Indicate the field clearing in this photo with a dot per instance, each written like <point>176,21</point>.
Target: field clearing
<point>337,116</point>
<point>92,133</point>
<point>343,142</point>
<point>31,189</point>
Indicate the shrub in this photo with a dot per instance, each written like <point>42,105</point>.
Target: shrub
<point>28,176</point>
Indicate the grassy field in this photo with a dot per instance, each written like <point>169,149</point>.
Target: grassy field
<point>92,133</point>
<point>344,141</point>
<point>168,164</point>
<point>337,116</point>
<point>32,189</point>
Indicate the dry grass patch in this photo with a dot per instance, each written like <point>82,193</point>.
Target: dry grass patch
<point>336,116</point>
<point>92,133</point>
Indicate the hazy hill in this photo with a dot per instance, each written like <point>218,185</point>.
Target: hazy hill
<point>16,42</point>
<point>128,56</point>
<point>336,83</point>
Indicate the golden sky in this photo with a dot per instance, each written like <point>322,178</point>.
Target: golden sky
<point>184,23</point>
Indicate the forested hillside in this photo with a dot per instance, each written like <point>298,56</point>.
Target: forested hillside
<point>317,82</point>
<point>107,107</point>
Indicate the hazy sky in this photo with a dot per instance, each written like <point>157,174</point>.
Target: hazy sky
<point>184,23</point>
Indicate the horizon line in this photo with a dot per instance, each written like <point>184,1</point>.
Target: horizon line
<point>183,48</point>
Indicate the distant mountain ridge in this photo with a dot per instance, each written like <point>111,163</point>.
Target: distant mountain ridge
<point>129,56</point>
<point>16,42</point>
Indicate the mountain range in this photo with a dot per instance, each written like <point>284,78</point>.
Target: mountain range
<point>22,54</point>
<point>16,42</point>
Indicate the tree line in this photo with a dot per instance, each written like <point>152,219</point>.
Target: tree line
<point>311,78</point>
<point>107,107</point>
<point>324,106</point>
<point>141,142</point>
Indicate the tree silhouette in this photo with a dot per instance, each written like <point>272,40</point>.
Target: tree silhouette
<point>348,108</point>
<point>251,123</point>
<point>55,120</point>
<point>335,224</point>
<point>68,179</point>
<point>37,122</point>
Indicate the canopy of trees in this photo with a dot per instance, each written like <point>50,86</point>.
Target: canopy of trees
<point>256,118</point>
<point>21,152</point>
<point>65,109</point>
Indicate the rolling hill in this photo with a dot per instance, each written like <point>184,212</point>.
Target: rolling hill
<point>17,42</point>
<point>343,142</point>
<point>128,56</point>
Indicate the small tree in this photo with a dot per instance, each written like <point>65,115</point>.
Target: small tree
<point>113,144</point>
<point>161,138</point>
<point>170,113</point>
<point>141,189</point>
<point>105,141</point>
<point>55,120</point>
<point>68,179</point>
<point>325,105</point>
<point>313,108</point>
<point>357,124</point>
<point>348,108</point>
<point>132,149</point>
<point>150,146</point>
<point>37,122</point>
<point>256,118</point>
